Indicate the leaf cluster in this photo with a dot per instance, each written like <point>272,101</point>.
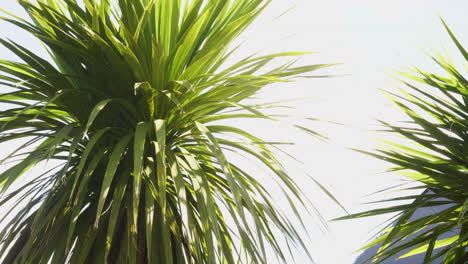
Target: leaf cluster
<point>436,156</point>
<point>133,106</point>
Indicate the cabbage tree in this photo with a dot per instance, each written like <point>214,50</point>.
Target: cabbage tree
<point>435,157</point>
<point>135,103</point>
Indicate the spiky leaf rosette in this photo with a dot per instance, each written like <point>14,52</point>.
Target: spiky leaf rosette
<point>132,106</point>
<point>436,156</point>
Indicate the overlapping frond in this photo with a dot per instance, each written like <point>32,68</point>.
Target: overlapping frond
<point>436,157</point>
<point>135,104</point>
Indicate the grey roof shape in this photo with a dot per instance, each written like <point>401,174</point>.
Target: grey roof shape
<point>416,259</point>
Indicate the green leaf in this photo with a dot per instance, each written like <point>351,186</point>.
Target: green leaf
<point>138,154</point>
<point>438,244</point>
<point>112,165</point>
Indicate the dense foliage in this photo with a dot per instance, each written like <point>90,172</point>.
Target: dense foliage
<point>435,156</point>
<point>136,106</point>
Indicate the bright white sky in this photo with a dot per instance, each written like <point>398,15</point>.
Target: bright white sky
<point>370,37</point>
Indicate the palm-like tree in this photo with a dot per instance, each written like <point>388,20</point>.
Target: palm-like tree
<point>436,157</point>
<point>135,107</point>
